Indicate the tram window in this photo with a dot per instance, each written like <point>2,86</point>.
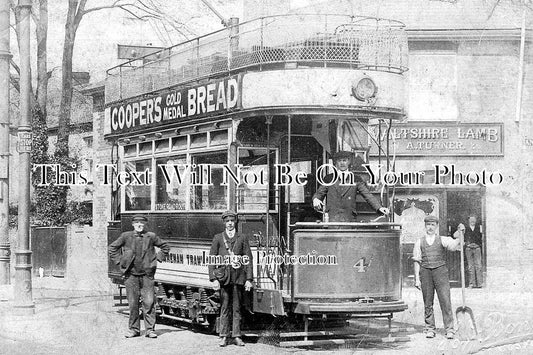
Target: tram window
<point>219,137</point>
<point>161,146</point>
<point>130,150</point>
<point>179,143</point>
<point>251,193</point>
<point>171,196</point>
<point>138,195</point>
<point>297,192</point>
<point>199,140</point>
<point>145,148</point>
<point>214,196</point>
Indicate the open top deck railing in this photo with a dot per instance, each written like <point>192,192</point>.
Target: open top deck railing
<point>283,41</point>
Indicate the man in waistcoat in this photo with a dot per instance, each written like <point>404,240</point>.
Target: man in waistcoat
<point>231,244</point>
<point>431,274</point>
<point>473,242</point>
<point>340,199</point>
<point>135,252</point>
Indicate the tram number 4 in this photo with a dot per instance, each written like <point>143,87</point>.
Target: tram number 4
<point>362,264</point>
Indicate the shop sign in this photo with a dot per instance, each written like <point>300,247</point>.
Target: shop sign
<point>172,106</point>
<point>441,139</point>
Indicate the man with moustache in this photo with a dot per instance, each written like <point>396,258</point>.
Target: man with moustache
<point>138,262</point>
<point>431,274</point>
<point>340,200</point>
<point>233,247</point>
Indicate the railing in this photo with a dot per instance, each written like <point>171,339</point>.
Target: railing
<point>310,40</point>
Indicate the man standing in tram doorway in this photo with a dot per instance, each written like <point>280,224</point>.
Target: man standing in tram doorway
<point>340,200</point>
<point>233,278</point>
<point>138,262</point>
<point>431,274</point>
<point>473,241</point>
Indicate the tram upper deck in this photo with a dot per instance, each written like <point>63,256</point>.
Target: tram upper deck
<point>300,61</point>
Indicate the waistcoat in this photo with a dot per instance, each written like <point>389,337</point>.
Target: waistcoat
<point>434,255</point>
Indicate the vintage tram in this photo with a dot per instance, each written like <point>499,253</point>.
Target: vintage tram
<point>243,119</point>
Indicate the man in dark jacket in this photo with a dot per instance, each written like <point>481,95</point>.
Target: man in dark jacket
<point>340,200</point>
<point>473,242</point>
<point>138,262</point>
<point>234,250</point>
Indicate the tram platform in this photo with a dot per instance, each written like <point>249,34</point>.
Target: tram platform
<point>85,322</point>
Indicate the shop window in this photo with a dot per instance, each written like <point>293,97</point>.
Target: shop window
<point>171,184</point>
<point>137,193</point>
<point>410,211</point>
<point>130,150</point>
<point>433,81</point>
<point>219,137</point>
<point>252,192</point>
<point>205,196</point>
<point>161,146</point>
<point>179,143</point>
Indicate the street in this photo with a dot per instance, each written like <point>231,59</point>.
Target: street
<point>78,323</point>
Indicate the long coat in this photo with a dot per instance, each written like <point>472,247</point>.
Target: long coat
<point>239,245</point>
<point>126,242</point>
<point>340,203</point>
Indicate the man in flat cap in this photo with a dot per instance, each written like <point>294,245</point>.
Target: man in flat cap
<point>431,274</point>
<point>340,199</point>
<point>236,251</point>
<point>138,262</point>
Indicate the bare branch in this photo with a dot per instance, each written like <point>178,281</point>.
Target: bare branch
<point>139,17</point>
<point>80,11</point>
<point>113,5</point>
<point>493,8</point>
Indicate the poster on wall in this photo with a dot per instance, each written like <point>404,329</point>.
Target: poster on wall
<point>410,211</point>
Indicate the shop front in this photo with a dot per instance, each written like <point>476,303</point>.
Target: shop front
<point>456,163</point>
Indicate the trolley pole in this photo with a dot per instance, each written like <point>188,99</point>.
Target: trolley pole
<point>5,56</point>
<point>23,286</point>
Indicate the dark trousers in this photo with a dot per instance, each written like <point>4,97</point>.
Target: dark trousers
<point>473,259</point>
<point>230,311</point>
<point>436,280</point>
<point>141,286</point>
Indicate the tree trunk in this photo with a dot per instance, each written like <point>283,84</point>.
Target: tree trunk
<point>66,81</point>
<point>41,31</point>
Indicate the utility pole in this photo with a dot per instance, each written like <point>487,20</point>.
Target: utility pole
<point>5,56</point>
<point>23,286</point>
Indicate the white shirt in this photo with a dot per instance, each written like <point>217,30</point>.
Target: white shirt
<point>447,242</point>
<point>231,233</point>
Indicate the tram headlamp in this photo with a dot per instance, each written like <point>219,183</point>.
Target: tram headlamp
<point>364,89</point>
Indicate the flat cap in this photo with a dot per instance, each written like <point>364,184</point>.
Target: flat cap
<point>139,218</point>
<point>431,218</point>
<point>342,154</point>
<point>229,213</point>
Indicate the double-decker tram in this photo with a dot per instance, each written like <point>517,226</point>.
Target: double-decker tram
<point>248,118</point>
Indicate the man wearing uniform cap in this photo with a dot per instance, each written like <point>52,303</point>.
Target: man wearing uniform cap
<point>431,274</point>
<point>231,243</point>
<point>341,200</point>
<point>138,262</point>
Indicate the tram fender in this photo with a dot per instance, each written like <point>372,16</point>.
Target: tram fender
<point>269,302</point>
